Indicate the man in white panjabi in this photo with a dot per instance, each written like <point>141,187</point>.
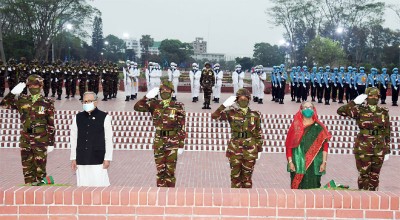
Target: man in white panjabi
<point>91,142</point>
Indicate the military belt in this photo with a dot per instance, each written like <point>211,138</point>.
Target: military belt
<point>241,134</point>
<point>166,132</point>
<point>371,132</point>
<point>35,130</point>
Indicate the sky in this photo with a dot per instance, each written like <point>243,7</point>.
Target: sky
<point>231,27</point>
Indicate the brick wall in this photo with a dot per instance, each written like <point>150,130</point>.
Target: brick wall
<point>33,203</point>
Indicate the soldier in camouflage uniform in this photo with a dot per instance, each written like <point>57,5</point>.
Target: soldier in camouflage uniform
<point>3,72</point>
<point>169,120</point>
<point>82,77</point>
<point>373,140</point>
<point>12,77</point>
<point>37,134</point>
<point>115,82</point>
<point>207,81</point>
<point>23,72</point>
<point>68,79</point>
<point>246,141</point>
<point>46,74</point>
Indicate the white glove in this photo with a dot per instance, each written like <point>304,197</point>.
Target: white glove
<point>50,149</point>
<point>320,85</point>
<point>384,87</point>
<point>259,155</point>
<point>89,73</point>
<point>180,151</point>
<point>152,93</point>
<point>18,88</point>
<point>9,69</point>
<point>395,88</point>
<point>327,86</point>
<point>360,99</point>
<point>386,157</point>
<point>104,71</point>
<point>304,85</point>
<point>229,101</point>
<point>350,86</point>
<point>34,70</point>
<point>80,72</point>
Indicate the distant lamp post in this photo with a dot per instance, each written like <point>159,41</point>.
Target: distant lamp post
<point>106,43</point>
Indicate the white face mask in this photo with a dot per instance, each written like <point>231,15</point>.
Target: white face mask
<point>88,107</point>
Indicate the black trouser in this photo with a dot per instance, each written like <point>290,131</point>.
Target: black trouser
<point>46,86</point>
<point>313,90</point>
<point>293,90</point>
<point>300,90</point>
<point>281,91</point>
<point>327,95</point>
<point>353,92</point>
<point>305,91</point>
<point>320,91</point>
<point>341,92</point>
<point>383,92</point>
<point>53,86</point>
<point>73,86</point>
<point>334,90</point>
<point>60,83</point>
<point>274,91</point>
<point>96,85</point>
<point>360,89</point>
<point>67,86</point>
<point>347,91</point>
<point>395,94</point>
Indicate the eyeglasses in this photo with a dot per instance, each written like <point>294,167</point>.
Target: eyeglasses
<point>88,101</point>
<point>308,107</point>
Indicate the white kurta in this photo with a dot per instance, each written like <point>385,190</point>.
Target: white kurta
<point>92,175</point>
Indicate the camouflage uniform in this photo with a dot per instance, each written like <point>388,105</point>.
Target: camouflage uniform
<point>37,132</point>
<point>169,121</point>
<point>12,78</point>
<point>60,80</point>
<point>105,80</point>
<point>115,82</point>
<point>82,77</point>
<point>23,72</point>
<point>3,72</point>
<point>245,142</point>
<point>73,77</point>
<point>207,81</point>
<point>68,79</point>
<point>372,142</point>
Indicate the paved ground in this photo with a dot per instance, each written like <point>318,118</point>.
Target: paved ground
<point>198,169</point>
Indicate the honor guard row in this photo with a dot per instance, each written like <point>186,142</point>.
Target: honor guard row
<point>86,75</point>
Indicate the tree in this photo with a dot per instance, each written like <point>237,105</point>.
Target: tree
<point>43,20</point>
<point>97,37</point>
<point>175,51</point>
<point>146,41</point>
<point>323,51</point>
<point>114,47</point>
<point>245,62</point>
<point>268,55</point>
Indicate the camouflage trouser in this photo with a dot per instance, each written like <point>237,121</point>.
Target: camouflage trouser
<point>207,94</point>
<point>369,167</point>
<point>165,156</point>
<point>33,160</point>
<point>242,162</point>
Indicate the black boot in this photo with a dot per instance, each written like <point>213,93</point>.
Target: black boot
<point>217,100</point>
<point>59,97</point>
<point>327,102</point>
<point>197,98</point>
<point>319,100</point>
<point>194,99</point>
<point>53,95</point>
<point>1,94</point>
<point>67,97</point>
<point>394,104</point>
<point>281,101</point>
<point>46,95</point>
<point>333,100</point>
<point>81,98</point>
<point>273,99</point>
<point>276,100</point>
<point>298,101</point>
<point>204,106</point>
<point>173,99</point>
<point>104,99</point>
<point>260,101</point>
<point>256,99</point>
<point>132,97</point>
<point>313,99</point>
<point>208,106</point>
<point>127,98</point>
<point>383,102</point>
<point>109,96</point>
<point>340,101</point>
<point>72,96</point>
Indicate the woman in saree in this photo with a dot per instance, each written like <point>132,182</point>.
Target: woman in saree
<point>307,148</point>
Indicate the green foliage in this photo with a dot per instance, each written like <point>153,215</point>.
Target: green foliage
<point>246,62</point>
<point>323,51</point>
<point>175,51</point>
<point>268,55</point>
<point>113,50</point>
<point>97,37</point>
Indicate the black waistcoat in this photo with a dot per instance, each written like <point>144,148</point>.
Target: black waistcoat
<point>91,144</point>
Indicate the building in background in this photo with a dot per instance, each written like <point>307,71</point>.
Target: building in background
<point>200,51</point>
<point>199,46</point>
